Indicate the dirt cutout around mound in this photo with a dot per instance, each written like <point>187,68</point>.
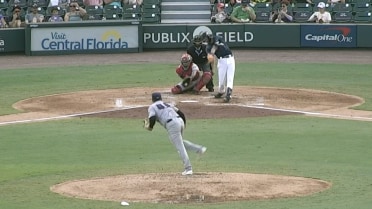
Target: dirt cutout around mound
<point>198,188</point>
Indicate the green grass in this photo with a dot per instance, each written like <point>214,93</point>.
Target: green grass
<point>35,156</point>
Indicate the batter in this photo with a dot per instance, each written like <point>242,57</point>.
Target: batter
<point>225,65</point>
<point>174,121</point>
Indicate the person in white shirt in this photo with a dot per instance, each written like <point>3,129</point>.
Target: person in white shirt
<point>321,16</point>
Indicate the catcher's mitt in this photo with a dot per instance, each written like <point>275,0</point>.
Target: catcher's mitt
<point>146,124</point>
<point>186,81</point>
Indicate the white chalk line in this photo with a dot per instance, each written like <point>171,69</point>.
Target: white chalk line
<point>258,106</point>
<point>68,116</point>
<point>308,113</point>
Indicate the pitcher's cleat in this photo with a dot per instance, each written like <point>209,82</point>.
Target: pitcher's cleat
<point>202,150</point>
<point>187,173</point>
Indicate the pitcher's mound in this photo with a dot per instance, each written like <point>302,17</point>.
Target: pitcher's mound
<point>198,188</point>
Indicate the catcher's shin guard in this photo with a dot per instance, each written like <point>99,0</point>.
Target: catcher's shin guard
<point>176,90</point>
<point>210,85</point>
<point>206,77</point>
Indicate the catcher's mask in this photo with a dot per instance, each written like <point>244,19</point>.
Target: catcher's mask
<point>156,96</point>
<point>186,60</point>
<point>197,41</point>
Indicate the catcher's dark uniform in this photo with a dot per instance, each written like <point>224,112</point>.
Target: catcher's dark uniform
<point>199,57</point>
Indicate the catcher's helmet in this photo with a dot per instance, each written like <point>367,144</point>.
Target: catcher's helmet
<point>186,60</point>
<point>197,40</point>
<point>156,96</point>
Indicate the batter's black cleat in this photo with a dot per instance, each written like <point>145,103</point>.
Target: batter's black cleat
<point>211,89</point>
<point>218,95</point>
<point>228,95</point>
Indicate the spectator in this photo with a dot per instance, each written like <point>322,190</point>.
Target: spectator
<point>221,15</point>
<point>2,22</point>
<point>60,3</point>
<point>229,7</point>
<point>93,2</point>
<point>243,13</point>
<point>321,16</point>
<point>132,2</point>
<point>113,3</point>
<point>16,20</point>
<point>76,13</point>
<point>34,16</point>
<point>282,15</point>
<point>55,15</point>
<point>333,2</point>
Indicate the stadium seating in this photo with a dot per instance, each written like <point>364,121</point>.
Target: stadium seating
<point>302,16</point>
<point>40,3</point>
<point>361,7</point>
<point>362,17</point>
<point>300,7</point>
<point>112,12</point>
<point>342,17</point>
<point>263,16</point>
<point>340,7</point>
<point>262,7</point>
<point>21,3</point>
<point>94,12</point>
<point>3,4</point>
<point>151,11</point>
<point>150,17</point>
<point>132,12</point>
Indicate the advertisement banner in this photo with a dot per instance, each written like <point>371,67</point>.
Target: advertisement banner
<point>12,40</point>
<point>235,35</point>
<point>165,36</point>
<point>328,35</point>
<point>84,38</point>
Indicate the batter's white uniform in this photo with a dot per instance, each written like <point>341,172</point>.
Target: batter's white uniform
<point>166,115</point>
<point>225,65</point>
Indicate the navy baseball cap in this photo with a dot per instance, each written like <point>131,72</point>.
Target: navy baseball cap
<point>156,96</point>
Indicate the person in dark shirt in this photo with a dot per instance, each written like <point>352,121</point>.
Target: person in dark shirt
<point>226,64</point>
<point>199,53</point>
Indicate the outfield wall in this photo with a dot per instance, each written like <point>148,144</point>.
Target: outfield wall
<point>129,36</point>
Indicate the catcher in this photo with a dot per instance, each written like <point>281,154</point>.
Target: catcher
<point>199,54</point>
<point>174,121</point>
<point>189,72</point>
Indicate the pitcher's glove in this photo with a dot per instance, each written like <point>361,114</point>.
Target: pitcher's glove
<point>146,124</point>
<point>186,81</point>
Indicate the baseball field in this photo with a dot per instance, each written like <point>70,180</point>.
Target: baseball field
<point>296,134</point>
